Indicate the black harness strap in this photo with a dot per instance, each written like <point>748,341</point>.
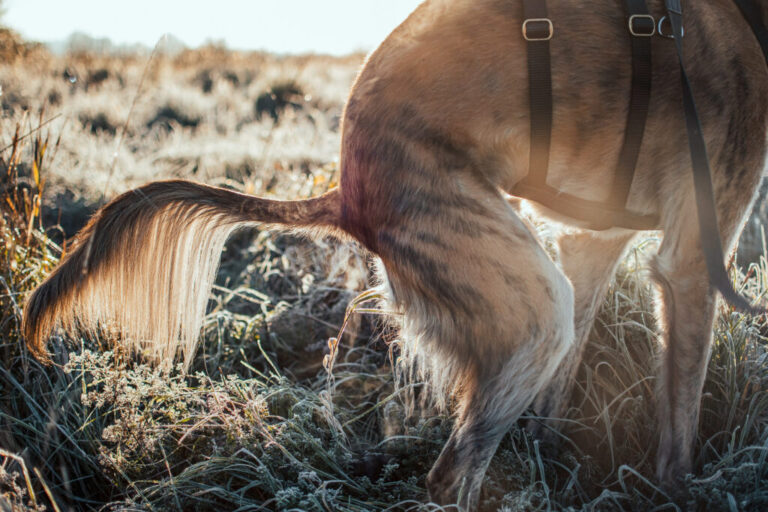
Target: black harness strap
<point>709,231</point>
<point>538,30</point>
<point>599,216</point>
<point>642,27</point>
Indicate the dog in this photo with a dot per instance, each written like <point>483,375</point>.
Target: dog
<point>434,135</point>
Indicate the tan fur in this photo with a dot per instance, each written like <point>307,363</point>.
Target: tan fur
<point>435,131</point>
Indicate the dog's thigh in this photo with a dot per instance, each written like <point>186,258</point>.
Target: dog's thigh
<point>487,316</point>
<point>589,260</point>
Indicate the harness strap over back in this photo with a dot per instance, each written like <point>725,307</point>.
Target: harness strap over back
<point>642,28</point>
<point>538,30</point>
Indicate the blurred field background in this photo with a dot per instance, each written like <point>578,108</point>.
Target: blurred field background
<point>273,416</point>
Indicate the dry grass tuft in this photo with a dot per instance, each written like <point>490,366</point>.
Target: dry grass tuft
<point>13,48</point>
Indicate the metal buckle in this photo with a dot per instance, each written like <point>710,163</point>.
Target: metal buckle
<point>664,20</point>
<point>530,33</point>
<point>636,31</point>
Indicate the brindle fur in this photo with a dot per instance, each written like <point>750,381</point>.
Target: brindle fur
<point>435,131</point>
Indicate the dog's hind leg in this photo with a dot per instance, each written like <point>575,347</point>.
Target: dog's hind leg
<point>589,260</point>
<point>487,414</point>
<point>487,315</point>
<point>685,313</point>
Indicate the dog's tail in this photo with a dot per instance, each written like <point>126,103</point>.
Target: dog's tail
<point>143,267</point>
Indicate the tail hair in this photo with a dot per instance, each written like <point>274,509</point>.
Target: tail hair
<point>143,266</point>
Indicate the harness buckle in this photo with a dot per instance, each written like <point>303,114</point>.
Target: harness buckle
<point>665,28</point>
<point>642,25</point>
<point>538,29</point>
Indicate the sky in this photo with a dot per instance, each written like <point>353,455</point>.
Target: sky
<point>282,26</point>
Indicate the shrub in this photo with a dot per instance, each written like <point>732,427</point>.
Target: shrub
<point>169,117</point>
<point>278,98</point>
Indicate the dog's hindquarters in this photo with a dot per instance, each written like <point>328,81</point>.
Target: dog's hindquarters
<point>144,265</point>
<point>487,317</point>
